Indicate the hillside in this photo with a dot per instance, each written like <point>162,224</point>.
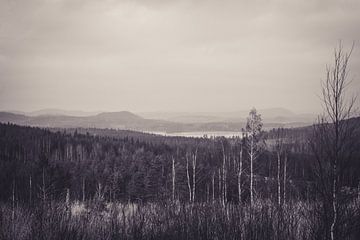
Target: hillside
<point>118,120</point>
<point>130,121</point>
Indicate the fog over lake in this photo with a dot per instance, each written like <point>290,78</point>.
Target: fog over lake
<point>201,134</point>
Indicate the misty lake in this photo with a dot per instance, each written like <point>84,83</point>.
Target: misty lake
<point>200,134</point>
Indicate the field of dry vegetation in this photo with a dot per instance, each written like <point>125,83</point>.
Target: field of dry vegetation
<point>167,220</point>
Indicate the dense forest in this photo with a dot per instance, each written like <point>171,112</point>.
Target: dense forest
<point>140,179</point>
<point>130,166</point>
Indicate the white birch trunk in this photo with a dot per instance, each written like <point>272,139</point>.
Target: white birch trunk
<point>252,172</point>
<point>188,177</point>
<point>83,190</point>
<point>285,176</point>
<point>213,186</point>
<point>194,176</point>
<point>30,190</point>
<point>173,179</point>
<point>240,173</point>
<point>223,177</point>
<point>278,177</point>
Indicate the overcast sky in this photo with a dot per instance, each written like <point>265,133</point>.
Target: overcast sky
<point>173,55</point>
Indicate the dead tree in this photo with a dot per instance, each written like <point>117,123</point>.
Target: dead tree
<point>13,202</point>
<point>285,176</point>
<point>194,158</point>
<point>46,188</point>
<point>67,201</point>
<point>333,142</point>
<point>213,187</point>
<point>207,192</point>
<point>279,151</point>
<point>30,190</point>
<point>188,177</point>
<point>83,189</point>
<point>220,188</point>
<point>224,190</point>
<point>43,187</point>
<point>173,179</point>
<point>191,185</point>
<point>240,169</point>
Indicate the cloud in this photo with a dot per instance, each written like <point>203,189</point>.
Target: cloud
<point>177,55</point>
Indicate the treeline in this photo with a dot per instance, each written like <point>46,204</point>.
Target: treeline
<point>38,164</point>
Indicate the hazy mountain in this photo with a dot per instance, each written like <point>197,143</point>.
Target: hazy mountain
<point>131,121</point>
<point>116,120</point>
<point>16,118</point>
<point>61,112</point>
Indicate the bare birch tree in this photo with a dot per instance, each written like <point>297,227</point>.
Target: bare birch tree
<point>188,177</point>
<point>254,144</point>
<point>194,158</point>
<point>30,190</point>
<point>223,200</point>
<point>191,185</point>
<point>240,169</point>
<point>213,187</point>
<point>333,141</point>
<point>83,189</point>
<point>279,145</point>
<point>220,185</point>
<point>285,176</point>
<point>173,179</point>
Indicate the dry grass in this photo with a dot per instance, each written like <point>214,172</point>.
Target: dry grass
<point>94,220</point>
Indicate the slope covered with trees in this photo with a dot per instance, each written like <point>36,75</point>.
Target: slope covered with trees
<point>126,165</point>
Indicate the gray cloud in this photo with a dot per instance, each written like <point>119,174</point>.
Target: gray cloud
<point>170,55</point>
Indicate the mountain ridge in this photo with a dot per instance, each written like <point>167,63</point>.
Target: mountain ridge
<point>129,121</point>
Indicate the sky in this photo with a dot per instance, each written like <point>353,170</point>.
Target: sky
<point>173,55</point>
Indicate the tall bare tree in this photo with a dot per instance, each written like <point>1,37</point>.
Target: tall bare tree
<point>83,189</point>
<point>285,176</point>
<point>333,140</point>
<point>188,177</point>
<point>240,168</point>
<point>213,187</point>
<point>220,185</point>
<point>30,190</point>
<point>223,200</point>
<point>13,202</point>
<point>173,178</point>
<point>194,158</point>
<point>43,189</point>
<point>279,148</point>
<point>191,185</point>
<point>254,144</point>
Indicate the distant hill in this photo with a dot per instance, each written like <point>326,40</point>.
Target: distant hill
<point>16,118</point>
<point>130,121</point>
<point>60,112</point>
<point>116,120</point>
